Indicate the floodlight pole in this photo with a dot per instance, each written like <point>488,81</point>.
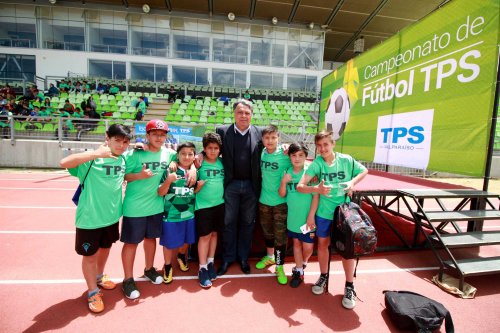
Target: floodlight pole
<point>489,158</point>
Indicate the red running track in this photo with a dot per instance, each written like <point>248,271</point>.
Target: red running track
<point>42,289</point>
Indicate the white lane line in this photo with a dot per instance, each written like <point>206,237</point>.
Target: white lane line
<point>36,188</point>
<point>75,180</point>
<point>227,276</point>
<point>38,207</point>
<point>36,232</point>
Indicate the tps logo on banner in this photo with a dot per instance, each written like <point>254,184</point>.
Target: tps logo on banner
<point>405,139</point>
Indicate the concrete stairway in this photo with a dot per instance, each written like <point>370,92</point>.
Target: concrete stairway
<point>158,109</point>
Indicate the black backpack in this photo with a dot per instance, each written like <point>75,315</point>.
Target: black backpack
<point>411,311</point>
<point>352,234</point>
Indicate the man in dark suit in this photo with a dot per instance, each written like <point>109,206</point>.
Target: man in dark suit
<point>241,150</point>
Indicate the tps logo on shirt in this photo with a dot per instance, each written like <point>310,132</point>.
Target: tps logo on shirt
<point>183,191</point>
<point>214,172</point>
<point>113,170</point>
<point>328,177</point>
<point>156,165</point>
<point>269,165</point>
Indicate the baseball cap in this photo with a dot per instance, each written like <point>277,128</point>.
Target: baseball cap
<point>156,124</point>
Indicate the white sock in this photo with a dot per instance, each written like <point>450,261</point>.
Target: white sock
<point>299,269</point>
<point>203,266</point>
<point>210,260</point>
<point>271,256</point>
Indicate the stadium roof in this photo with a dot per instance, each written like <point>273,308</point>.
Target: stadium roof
<point>344,21</point>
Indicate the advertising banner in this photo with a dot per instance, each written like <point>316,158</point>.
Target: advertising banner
<point>423,98</point>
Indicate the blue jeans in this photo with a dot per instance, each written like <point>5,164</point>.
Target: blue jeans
<point>239,220</point>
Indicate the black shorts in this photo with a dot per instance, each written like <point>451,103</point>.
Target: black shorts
<point>88,241</point>
<point>135,229</point>
<point>209,220</point>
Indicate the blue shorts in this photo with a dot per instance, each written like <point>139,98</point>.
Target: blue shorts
<point>322,226</point>
<point>176,234</point>
<point>306,238</point>
<point>135,229</point>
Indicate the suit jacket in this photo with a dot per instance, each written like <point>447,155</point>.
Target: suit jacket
<point>227,135</point>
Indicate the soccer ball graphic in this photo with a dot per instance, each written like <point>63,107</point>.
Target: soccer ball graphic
<point>337,113</point>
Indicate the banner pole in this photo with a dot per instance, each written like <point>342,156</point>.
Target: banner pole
<point>489,158</point>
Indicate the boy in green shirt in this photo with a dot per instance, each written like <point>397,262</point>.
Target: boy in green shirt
<point>142,207</point>
<point>272,207</point>
<point>209,207</point>
<point>178,228</point>
<point>337,173</point>
<point>99,208</point>
<point>301,210</point>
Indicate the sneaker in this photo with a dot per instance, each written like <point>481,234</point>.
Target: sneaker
<point>105,283</point>
<point>96,304</point>
<point>129,289</point>
<point>320,285</point>
<point>153,276</point>
<point>349,300</point>
<point>211,272</point>
<point>280,275</point>
<point>264,262</point>
<point>183,263</point>
<point>204,279</point>
<point>297,278</point>
<point>167,276</point>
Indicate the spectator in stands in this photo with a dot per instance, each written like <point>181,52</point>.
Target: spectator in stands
<point>145,98</point>
<point>22,109</point>
<point>78,113</point>
<point>113,90</point>
<point>92,103</point>
<point>53,91</point>
<point>100,89</point>
<point>141,106</point>
<point>39,95</point>
<point>63,86</point>
<point>71,86</point>
<point>33,115</point>
<point>97,225</point>
<point>77,88</point>
<point>247,96</point>
<point>44,114</point>
<point>68,107</point>
<point>8,92</point>
<point>5,116</point>
<point>85,87</point>
<point>3,99</point>
<point>46,102</point>
<point>241,151</point>
<point>30,95</point>
<point>172,94</point>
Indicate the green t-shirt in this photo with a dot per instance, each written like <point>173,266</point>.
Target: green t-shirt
<point>273,168</point>
<point>179,201</point>
<point>142,106</point>
<point>141,196</point>
<point>298,203</point>
<point>339,171</point>
<point>212,193</point>
<point>44,113</point>
<point>100,202</point>
<point>114,90</point>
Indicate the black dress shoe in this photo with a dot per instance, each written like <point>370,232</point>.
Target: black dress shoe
<point>245,267</point>
<point>223,268</point>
